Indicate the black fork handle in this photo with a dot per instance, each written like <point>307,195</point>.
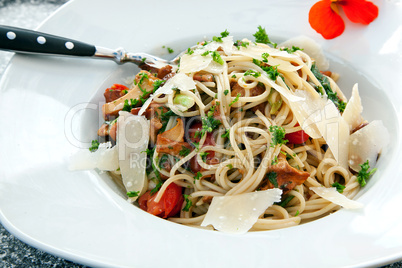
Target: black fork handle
<point>28,41</point>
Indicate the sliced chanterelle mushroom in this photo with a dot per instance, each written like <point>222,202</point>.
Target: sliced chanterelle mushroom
<point>172,141</point>
<point>176,133</point>
<point>144,86</point>
<point>287,177</point>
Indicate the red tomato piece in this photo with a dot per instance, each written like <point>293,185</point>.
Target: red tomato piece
<point>169,204</point>
<point>297,137</point>
<point>117,87</point>
<point>114,92</point>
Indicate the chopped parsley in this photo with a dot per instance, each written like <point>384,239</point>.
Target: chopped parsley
<point>230,166</point>
<point>219,39</point>
<point>164,158</point>
<point>271,176</point>
<point>278,135</point>
<point>157,84</point>
<point>189,203</point>
<point>286,201</point>
<point>272,71</point>
<point>261,36</point>
<point>190,51</point>
<point>364,173</point>
<point>170,50</point>
<point>240,43</point>
<point>196,145</point>
<point>265,57</point>
<point>341,105</point>
<point>226,91</point>
<point>274,161</point>
<point>252,73</point>
<point>209,123</point>
<point>339,187</point>
<point>236,99</point>
<point>184,151</point>
<point>291,50</point>
<point>226,134</point>
<point>133,193</point>
<point>157,187</point>
<point>142,76</point>
<point>128,106</point>
<point>215,56</point>
<point>94,145</point>
<point>204,156</point>
<point>197,176</point>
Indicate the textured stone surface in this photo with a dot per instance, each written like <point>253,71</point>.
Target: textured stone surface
<point>13,252</point>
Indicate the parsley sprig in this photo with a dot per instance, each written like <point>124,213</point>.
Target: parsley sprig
<point>236,99</point>
<point>189,203</point>
<point>184,151</point>
<point>272,71</point>
<point>252,73</point>
<point>364,173</point>
<point>130,105</point>
<point>261,36</point>
<point>278,135</point>
<point>216,57</point>
<point>133,193</point>
<point>219,38</point>
<point>197,176</point>
<point>240,44</point>
<point>94,145</point>
<point>291,50</point>
<point>339,187</point>
<point>209,123</point>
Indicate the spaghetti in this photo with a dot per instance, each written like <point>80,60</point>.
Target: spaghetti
<point>235,118</point>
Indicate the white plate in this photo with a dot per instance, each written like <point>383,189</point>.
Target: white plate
<point>46,114</point>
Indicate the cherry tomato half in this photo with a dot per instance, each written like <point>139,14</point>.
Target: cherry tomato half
<point>297,137</point>
<point>117,87</point>
<point>168,206</point>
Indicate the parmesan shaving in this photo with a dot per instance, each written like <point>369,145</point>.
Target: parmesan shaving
<point>366,143</point>
<point>319,117</point>
<point>236,214</point>
<point>331,194</point>
<point>194,63</point>
<point>353,110</point>
<point>132,141</point>
<point>104,159</point>
<point>179,81</point>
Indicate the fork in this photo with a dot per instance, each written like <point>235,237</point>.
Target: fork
<point>33,42</point>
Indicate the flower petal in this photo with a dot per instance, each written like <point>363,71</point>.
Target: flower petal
<point>359,11</point>
<point>325,20</point>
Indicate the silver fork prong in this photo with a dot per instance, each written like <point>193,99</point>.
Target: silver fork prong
<point>120,55</point>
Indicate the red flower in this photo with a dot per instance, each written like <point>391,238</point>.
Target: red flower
<point>325,19</point>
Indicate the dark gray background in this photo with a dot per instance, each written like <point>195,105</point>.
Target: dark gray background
<point>13,252</point>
